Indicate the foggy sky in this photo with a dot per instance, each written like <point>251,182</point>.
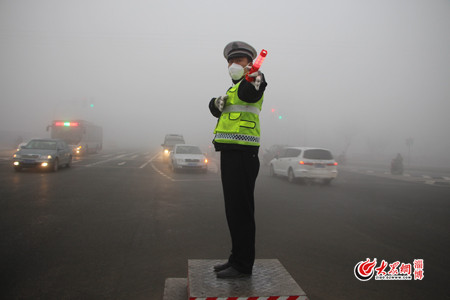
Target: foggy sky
<point>368,73</point>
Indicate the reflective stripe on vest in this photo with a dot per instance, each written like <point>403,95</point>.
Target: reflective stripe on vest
<point>242,108</point>
<point>237,137</point>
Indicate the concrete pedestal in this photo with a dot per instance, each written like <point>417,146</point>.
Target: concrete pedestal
<point>269,281</point>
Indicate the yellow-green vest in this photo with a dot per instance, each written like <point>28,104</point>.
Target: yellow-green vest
<point>239,121</point>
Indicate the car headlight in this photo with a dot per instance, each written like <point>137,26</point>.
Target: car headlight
<point>46,156</point>
<point>16,155</point>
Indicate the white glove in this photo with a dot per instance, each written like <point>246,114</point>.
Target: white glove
<point>220,102</point>
<point>258,77</point>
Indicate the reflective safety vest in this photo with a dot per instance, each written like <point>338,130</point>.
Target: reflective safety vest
<point>239,121</point>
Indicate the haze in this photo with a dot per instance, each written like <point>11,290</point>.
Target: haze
<point>361,76</point>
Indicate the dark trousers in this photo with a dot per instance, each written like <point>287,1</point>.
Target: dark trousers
<point>239,170</point>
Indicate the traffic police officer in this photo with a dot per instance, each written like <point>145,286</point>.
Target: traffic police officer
<point>237,135</point>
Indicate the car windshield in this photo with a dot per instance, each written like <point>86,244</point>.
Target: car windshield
<point>188,150</point>
<point>39,144</point>
<point>318,154</point>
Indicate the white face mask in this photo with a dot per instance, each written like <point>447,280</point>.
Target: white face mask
<point>236,71</point>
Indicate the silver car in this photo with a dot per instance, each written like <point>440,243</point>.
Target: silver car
<point>188,157</point>
<point>305,164</point>
<point>47,154</point>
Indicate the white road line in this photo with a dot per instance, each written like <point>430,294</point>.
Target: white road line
<point>446,178</point>
<point>122,163</point>
<point>134,156</point>
<point>430,182</point>
<point>161,172</point>
<point>149,161</point>
<point>426,176</point>
<point>106,160</point>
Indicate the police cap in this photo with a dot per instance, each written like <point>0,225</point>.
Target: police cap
<point>239,49</point>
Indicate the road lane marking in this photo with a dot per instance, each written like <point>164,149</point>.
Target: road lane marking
<point>122,163</point>
<point>106,160</point>
<point>134,156</point>
<point>426,176</point>
<point>149,161</point>
<point>446,178</point>
<point>162,173</point>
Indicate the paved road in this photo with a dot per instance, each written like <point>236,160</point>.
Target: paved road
<point>116,224</point>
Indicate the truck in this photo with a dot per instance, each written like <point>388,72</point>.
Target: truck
<point>84,137</point>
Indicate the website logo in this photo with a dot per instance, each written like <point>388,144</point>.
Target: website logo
<point>365,270</point>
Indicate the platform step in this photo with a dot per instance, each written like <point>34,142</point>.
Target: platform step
<point>175,289</point>
<point>269,281</point>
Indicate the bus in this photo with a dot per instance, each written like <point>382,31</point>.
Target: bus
<point>83,136</point>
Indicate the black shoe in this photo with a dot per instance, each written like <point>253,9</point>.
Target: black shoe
<point>231,273</point>
<point>221,267</point>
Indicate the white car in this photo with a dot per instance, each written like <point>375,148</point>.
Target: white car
<point>188,157</point>
<point>305,163</point>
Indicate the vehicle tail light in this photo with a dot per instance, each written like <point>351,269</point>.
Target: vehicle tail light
<point>305,163</point>
<point>66,124</point>
<point>333,164</point>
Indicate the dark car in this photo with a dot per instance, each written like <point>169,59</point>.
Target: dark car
<point>47,154</point>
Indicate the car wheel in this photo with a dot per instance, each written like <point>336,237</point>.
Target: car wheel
<point>291,176</point>
<point>272,171</point>
<point>326,181</point>
<point>69,163</point>
<point>55,165</point>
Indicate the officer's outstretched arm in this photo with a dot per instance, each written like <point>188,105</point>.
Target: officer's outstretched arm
<point>248,93</point>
